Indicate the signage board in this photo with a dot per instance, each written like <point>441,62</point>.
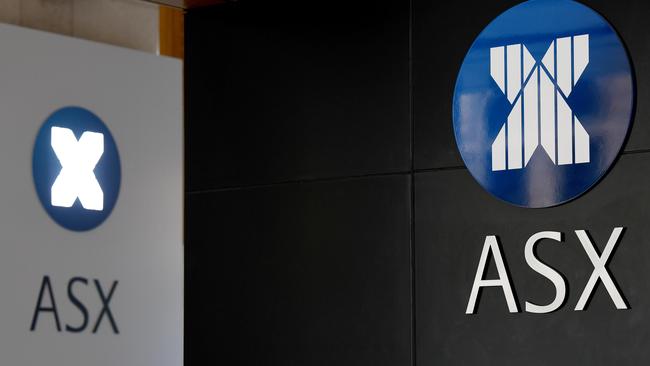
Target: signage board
<point>543,102</point>
<point>91,208</point>
<point>542,106</point>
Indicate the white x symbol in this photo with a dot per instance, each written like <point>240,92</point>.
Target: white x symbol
<point>78,160</point>
<point>538,92</point>
<point>600,269</point>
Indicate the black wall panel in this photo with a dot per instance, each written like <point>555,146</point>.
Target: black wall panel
<point>300,274</point>
<point>280,271</point>
<point>288,90</point>
<point>329,218</point>
<point>453,214</point>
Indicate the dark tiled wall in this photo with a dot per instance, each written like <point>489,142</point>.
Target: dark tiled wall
<point>293,91</point>
<point>298,186</point>
<point>329,219</point>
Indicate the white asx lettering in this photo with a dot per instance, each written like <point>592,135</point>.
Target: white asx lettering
<point>600,272</point>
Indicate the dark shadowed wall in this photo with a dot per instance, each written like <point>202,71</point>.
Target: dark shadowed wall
<point>329,218</point>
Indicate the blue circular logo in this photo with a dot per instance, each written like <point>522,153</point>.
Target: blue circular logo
<point>543,102</point>
<point>76,168</point>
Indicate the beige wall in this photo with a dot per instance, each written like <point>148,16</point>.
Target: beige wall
<point>126,23</point>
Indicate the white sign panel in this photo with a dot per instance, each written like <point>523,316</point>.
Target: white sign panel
<point>91,204</point>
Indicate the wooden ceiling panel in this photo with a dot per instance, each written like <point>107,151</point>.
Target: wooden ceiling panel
<point>187,4</point>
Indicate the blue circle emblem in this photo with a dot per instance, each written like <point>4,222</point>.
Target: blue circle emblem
<point>543,102</point>
<point>76,168</point>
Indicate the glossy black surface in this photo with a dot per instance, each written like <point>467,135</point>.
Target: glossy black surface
<point>292,90</point>
<point>453,216</point>
<point>318,273</point>
<point>300,274</point>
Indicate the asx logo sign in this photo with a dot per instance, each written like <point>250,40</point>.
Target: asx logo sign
<point>76,169</point>
<point>600,273</point>
<point>543,103</point>
<point>77,178</point>
<point>543,90</point>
